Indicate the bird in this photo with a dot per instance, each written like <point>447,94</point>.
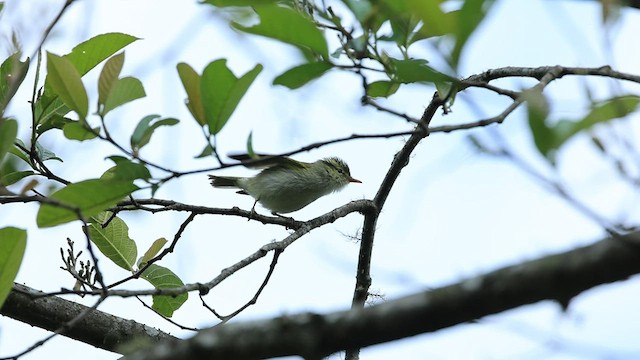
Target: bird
<point>286,185</point>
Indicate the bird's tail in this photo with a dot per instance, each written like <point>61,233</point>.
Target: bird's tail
<point>224,181</point>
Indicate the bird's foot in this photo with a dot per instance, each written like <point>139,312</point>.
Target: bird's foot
<point>282,216</point>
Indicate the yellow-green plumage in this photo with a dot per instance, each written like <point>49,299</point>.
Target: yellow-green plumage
<point>288,185</point>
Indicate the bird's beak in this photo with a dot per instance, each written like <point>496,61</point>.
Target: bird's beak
<point>354,180</point>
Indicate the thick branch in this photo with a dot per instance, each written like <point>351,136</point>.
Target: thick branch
<point>98,328</point>
<point>557,277</point>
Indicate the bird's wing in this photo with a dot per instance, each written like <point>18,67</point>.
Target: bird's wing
<point>265,161</point>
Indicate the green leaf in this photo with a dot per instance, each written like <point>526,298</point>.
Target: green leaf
<point>8,133</point>
<point>126,170</point>
<point>610,109</point>
<point>288,26</point>
<point>216,84</point>
<point>369,15</point>
<point>13,177</point>
<point>54,122</point>
<point>78,131</point>
<point>142,134</point>
<point>447,89</point>
<point>550,138</point>
<point>86,55</point>
<point>163,278</point>
<point>45,154</point>
<point>360,9</point>
<point>301,75</point>
<point>12,73</point>
<point>222,91</point>
<point>90,197</point>
<point>153,250</point>
<point>239,89</point>
<point>13,242</point>
<point>191,82</point>
<point>357,45</point>
<point>382,88</point>
<point>445,24</point>
<point>537,113</point>
<point>113,240</point>
<point>417,70</point>
<point>64,78</point>
<point>208,150</point>
<point>469,18</point>
<point>225,3</point>
<point>108,76</point>
<point>403,30</point>
<point>252,154</point>
<point>48,107</point>
<point>123,91</point>
<point>459,24</point>
<point>433,18</point>
<point>15,150</point>
<point>117,159</point>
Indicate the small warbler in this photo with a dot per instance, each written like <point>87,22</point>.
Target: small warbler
<point>286,185</point>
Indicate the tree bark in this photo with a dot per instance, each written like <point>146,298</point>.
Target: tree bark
<point>558,277</point>
<point>97,328</point>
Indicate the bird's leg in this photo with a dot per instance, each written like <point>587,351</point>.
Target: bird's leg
<point>253,210</point>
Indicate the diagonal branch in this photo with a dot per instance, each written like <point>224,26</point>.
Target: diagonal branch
<point>225,318</point>
<point>400,160</point>
<point>558,277</point>
<point>361,206</point>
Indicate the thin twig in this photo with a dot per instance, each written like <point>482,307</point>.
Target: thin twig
<point>166,318</point>
<point>361,206</point>
<point>162,254</point>
<point>64,327</point>
<point>254,299</point>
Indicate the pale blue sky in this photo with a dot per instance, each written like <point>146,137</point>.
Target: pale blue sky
<point>451,215</point>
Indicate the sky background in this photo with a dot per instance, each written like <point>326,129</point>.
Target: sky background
<point>452,214</point>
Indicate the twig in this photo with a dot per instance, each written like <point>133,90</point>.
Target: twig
<point>170,205</point>
<point>254,299</point>
<point>24,304</point>
<point>555,187</point>
<point>162,254</point>
<point>306,148</point>
<point>368,101</point>
<point>61,330</point>
<point>166,318</point>
<point>53,23</point>
<point>361,206</point>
